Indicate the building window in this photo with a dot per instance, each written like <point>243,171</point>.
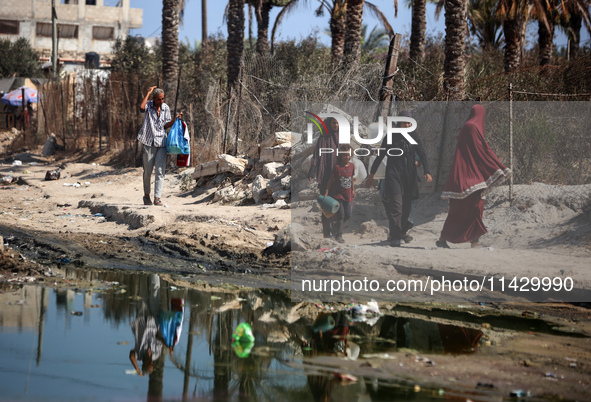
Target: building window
<point>9,27</point>
<point>65,31</point>
<point>103,33</point>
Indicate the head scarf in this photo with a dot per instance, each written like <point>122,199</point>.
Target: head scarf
<point>475,166</point>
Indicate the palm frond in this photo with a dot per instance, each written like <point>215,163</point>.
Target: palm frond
<point>373,10</point>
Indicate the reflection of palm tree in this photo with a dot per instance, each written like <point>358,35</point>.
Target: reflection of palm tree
<point>222,356</point>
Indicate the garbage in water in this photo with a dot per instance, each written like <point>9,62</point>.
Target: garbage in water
<point>243,340</point>
<point>75,306</point>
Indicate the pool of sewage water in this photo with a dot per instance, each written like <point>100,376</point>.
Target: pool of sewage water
<point>112,335</point>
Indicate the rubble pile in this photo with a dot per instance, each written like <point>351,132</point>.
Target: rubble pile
<point>262,175</point>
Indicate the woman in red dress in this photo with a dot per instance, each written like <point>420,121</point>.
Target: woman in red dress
<point>475,168</point>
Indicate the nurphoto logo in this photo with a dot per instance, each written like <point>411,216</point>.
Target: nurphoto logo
<point>393,125</point>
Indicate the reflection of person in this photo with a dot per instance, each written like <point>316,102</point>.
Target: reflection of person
<point>171,323</point>
<point>153,136</point>
<point>340,187</point>
<point>475,168</point>
<point>322,165</point>
<point>147,345</point>
<point>401,185</point>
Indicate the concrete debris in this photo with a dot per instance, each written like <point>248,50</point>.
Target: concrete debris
<point>264,172</point>
<point>279,138</point>
<point>281,195</point>
<point>259,186</point>
<point>232,164</point>
<point>278,153</point>
<point>270,170</point>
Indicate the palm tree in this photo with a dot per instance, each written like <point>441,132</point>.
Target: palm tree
<point>547,16</point>
<point>484,24</point>
<point>337,10</point>
<point>353,31</point>
<point>262,9</point>
<point>171,10</point>
<point>417,30</point>
<point>376,38</point>
<point>455,35</point>
<point>513,15</point>
<point>576,12</point>
<point>235,39</point>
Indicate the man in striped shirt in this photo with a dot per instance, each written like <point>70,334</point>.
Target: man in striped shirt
<point>152,135</point>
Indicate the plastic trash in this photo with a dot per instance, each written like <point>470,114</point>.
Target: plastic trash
<point>323,323</point>
<point>16,162</point>
<point>242,333</point>
<point>519,393</point>
<point>243,340</point>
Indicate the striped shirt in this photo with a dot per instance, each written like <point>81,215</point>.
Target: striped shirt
<point>152,132</point>
<point>144,330</point>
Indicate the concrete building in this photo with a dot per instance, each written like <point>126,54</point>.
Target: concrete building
<point>84,25</point>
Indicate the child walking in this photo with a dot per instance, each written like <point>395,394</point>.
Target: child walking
<point>341,188</point>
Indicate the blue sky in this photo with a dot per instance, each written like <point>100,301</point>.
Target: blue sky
<point>298,25</point>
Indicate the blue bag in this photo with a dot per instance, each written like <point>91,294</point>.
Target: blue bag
<point>176,143</point>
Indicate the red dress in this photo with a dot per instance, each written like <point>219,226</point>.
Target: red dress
<point>475,168</point>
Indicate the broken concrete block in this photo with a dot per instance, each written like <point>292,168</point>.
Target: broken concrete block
<point>229,163</point>
<point>207,169</point>
<point>259,186</point>
<point>282,137</point>
<point>275,154</point>
<point>270,169</point>
<point>281,195</point>
<point>279,183</point>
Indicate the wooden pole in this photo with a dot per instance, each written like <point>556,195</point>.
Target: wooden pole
<point>227,120</point>
<point>238,111</point>
<point>193,153</point>
<point>24,115</point>
<point>385,93</point>
<point>511,140</point>
<point>54,64</point>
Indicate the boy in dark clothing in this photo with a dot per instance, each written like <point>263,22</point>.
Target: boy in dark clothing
<point>341,188</point>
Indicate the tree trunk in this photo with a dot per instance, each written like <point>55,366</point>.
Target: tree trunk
<point>574,33</point>
<point>337,32</point>
<point>512,44</point>
<point>203,22</point>
<point>262,16</point>
<point>235,39</point>
<point>455,34</point>
<point>545,38</point>
<point>418,28</point>
<point>170,46</point>
<point>353,31</point>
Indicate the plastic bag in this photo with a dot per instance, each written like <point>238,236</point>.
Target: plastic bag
<point>178,138</point>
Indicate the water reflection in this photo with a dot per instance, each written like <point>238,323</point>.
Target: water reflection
<point>141,336</point>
